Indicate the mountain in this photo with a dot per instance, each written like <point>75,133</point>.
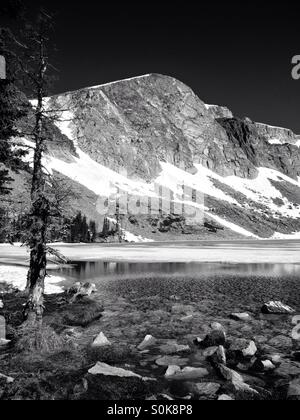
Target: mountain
<point>150,136</point>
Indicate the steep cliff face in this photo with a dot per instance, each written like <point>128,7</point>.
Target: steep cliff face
<point>135,124</point>
<point>134,135</point>
<point>245,135</point>
<point>278,135</point>
<point>217,111</point>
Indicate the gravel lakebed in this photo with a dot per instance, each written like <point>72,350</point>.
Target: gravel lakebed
<point>176,313</point>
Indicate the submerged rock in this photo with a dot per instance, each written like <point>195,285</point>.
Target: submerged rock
<point>277,308</point>
<point>236,383</point>
<point>82,290</point>
<point>216,326</point>
<point>264,366</point>
<point>101,341</point>
<point>148,341</point>
<point>241,317</point>
<point>219,356</point>
<point>107,370</point>
<point>171,361</point>
<point>244,348</point>
<point>288,370</point>
<point>174,348</point>
<point>4,342</point>
<point>215,338</point>
<point>294,390</point>
<point>276,359</point>
<point>281,342</point>
<point>172,370</point>
<point>209,351</point>
<point>225,397</point>
<point>74,289</point>
<point>205,389</point>
<point>183,309</point>
<point>6,379</point>
<point>244,390</point>
<point>188,373</point>
<point>229,374</point>
<point>80,314</point>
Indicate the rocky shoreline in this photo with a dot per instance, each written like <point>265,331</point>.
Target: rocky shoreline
<point>150,353</point>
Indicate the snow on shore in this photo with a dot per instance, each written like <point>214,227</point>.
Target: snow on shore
<point>16,276</point>
<point>281,236</point>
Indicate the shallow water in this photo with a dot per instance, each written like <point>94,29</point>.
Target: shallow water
<point>180,301</point>
<point>245,284</point>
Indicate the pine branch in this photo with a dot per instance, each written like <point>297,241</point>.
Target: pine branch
<point>61,258</point>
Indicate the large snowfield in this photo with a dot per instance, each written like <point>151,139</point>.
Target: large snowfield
<point>106,183</point>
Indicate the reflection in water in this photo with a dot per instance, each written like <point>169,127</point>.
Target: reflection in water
<point>229,286</point>
<point>84,271</point>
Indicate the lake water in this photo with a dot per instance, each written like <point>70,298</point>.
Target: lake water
<point>86,271</point>
<point>175,291</point>
<point>245,284</point>
<point>240,273</point>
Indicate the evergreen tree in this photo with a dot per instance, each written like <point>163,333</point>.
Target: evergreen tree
<point>93,231</point>
<point>81,230</point>
<point>30,50</point>
<point>13,108</point>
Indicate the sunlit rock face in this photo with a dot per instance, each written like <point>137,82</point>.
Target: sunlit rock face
<point>217,111</point>
<point>133,125</point>
<point>277,135</point>
<point>136,133</point>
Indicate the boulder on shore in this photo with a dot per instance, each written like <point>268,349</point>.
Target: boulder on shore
<point>188,373</point>
<point>244,348</point>
<point>107,370</point>
<point>244,317</point>
<point>148,341</point>
<point>174,348</point>
<point>101,341</point>
<point>277,308</point>
<point>215,339</point>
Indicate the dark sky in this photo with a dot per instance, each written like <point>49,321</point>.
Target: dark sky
<point>236,54</point>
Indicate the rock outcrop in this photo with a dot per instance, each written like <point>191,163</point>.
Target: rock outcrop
<point>132,135</point>
<point>133,125</point>
<point>277,135</point>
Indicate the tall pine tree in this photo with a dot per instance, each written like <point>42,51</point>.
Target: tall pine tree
<point>13,108</point>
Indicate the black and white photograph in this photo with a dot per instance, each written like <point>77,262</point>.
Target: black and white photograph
<point>149,203</point>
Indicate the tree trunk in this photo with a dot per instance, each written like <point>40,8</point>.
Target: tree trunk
<point>40,209</point>
<point>38,261</point>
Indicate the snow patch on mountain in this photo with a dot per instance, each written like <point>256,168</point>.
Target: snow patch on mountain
<point>275,141</point>
<point>119,81</point>
<point>175,178</point>
<point>64,123</point>
<point>281,236</point>
<point>107,183</point>
<point>233,227</point>
<point>128,236</point>
<point>259,190</point>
